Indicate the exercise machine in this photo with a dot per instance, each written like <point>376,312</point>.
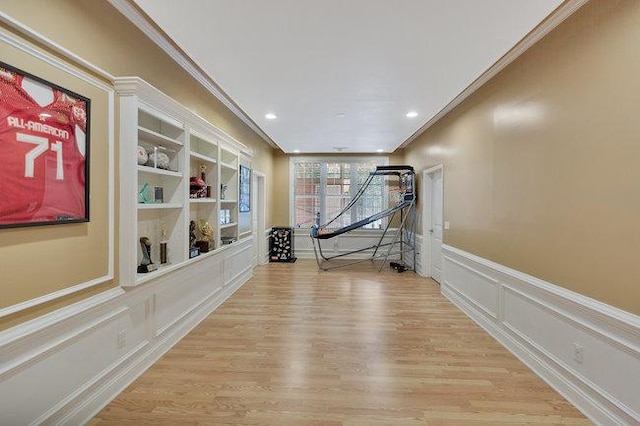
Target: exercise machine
<point>395,184</point>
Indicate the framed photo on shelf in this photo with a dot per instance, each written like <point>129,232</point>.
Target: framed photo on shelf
<point>44,151</point>
<point>245,189</point>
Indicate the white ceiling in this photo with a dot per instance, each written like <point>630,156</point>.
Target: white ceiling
<point>344,73</point>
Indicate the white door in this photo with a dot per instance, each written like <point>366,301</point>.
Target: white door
<point>436,225</point>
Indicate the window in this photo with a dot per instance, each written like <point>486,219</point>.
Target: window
<point>327,186</point>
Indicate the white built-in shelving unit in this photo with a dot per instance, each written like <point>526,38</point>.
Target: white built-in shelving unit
<point>191,148</point>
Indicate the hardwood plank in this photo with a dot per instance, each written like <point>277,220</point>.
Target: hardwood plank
<point>300,346</point>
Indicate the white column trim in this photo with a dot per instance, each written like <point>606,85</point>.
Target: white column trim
<point>426,218</point>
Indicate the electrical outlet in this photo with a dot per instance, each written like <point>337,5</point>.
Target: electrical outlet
<point>122,339</point>
<point>578,353</point>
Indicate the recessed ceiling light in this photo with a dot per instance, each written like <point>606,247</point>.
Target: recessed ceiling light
<point>379,150</point>
<point>340,114</point>
<point>412,114</point>
<point>270,116</point>
<point>296,151</point>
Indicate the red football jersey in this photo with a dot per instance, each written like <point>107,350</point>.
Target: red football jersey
<point>42,152</point>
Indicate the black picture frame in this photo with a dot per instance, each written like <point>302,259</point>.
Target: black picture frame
<point>44,147</point>
<point>245,189</point>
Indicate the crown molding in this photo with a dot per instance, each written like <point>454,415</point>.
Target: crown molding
<point>563,11</point>
<point>23,29</point>
<point>162,40</point>
<point>140,20</point>
<point>136,86</point>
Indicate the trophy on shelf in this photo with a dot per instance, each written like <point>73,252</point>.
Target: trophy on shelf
<point>193,250</point>
<point>206,231</point>
<point>145,196</point>
<point>223,191</point>
<point>158,159</point>
<point>147,264</point>
<point>198,185</point>
<point>203,176</point>
<point>163,244</point>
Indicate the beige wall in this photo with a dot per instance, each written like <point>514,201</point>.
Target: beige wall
<point>71,254</point>
<point>542,165</point>
<point>98,33</point>
<point>281,193</point>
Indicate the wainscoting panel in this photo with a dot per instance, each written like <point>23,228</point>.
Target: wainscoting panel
<point>344,243</point>
<point>419,267</point>
<point>56,363</point>
<point>475,286</point>
<point>586,350</point>
<point>63,367</point>
<point>172,302</point>
<point>237,263</point>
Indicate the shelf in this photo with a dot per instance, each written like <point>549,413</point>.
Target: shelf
<point>228,166</point>
<point>156,171</point>
<point>155,137</point>
<point>203,157</point>
<point>202,200</point>
<point>152,206</point>
<point>162,269</point>
<point>194,147</point>
<point>244,234</point>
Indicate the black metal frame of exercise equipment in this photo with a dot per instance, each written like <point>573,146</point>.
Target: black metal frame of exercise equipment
<point>407,210</point>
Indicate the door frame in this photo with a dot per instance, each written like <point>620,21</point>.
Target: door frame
<point>427,183</point>
<point>259,216</point>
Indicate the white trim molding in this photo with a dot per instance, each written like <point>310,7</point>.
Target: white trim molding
<point>427,187</point>
<point>54,47</point>
<point>565,10</point>
<point>74,361</point>
<point>79,73</point>
<point>586,350</point>
<point>142,21</point>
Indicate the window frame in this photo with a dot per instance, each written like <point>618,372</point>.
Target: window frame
<point>322,193</point>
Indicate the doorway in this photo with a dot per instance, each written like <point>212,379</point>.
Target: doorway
<point>259,218</point>
<point>432,224</point>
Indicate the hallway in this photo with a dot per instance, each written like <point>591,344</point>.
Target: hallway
<point>299,346</point>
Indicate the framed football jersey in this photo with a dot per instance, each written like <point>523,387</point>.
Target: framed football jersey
<point>44,151</point>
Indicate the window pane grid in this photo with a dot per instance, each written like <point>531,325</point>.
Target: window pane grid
<point>328,187</point>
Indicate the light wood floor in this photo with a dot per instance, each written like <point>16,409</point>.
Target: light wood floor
<point>299,346</point>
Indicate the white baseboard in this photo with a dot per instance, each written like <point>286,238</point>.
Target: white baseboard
<point>62,368</point>
<point>540,323</point>
<point>419,267</point>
